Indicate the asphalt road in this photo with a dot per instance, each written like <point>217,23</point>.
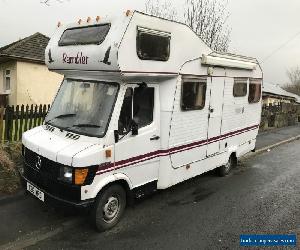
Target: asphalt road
<point>261,196</point>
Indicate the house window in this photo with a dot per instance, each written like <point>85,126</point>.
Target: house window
<point>153,45</point>
<point>240,87</point>
<point>254,90</point>
<point>193,94</point>
<point>7,79</point>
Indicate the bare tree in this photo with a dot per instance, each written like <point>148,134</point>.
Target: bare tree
<point>294,76</point>
<point>48,2</point>
<point>208,18</point>
<point>160,8</point>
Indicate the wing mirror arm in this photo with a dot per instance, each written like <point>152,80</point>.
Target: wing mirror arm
<point>134,129</point>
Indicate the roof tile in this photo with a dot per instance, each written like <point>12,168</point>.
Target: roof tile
<point>32,48</point>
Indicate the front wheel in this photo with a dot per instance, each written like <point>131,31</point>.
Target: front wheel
<point>108,208</point>
<point>225,169</point>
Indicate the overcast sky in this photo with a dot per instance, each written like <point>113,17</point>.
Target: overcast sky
<point>259,27</point>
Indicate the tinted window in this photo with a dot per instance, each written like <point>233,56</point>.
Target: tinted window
<point>193,94</point>
<point>137,105</point>
<point>153,46</point>
<point>126,113</point>
<point>84,35</point>
<point>240,87</point>
<point>254,90</point>
<point>143,104</point>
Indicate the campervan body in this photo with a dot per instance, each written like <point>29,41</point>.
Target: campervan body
<point>144,104</point>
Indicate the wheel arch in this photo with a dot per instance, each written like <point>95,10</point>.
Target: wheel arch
<point>120,179</point>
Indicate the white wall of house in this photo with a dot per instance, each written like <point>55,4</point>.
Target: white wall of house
<point>272,100</point>
<point>36,84</point>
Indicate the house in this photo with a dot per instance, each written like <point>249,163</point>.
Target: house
<point>274,94</point>
<point>24,77</point>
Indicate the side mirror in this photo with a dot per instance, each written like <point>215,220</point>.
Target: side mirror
<point>116,134</point>
<point>134,128</point>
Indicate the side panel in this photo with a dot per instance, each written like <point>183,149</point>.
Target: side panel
<point>188,132</point>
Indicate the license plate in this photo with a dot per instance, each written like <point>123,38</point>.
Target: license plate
<point>36,192</point>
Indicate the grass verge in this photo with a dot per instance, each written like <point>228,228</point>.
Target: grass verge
<point>10,158</point>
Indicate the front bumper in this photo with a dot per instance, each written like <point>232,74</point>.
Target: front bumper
<point>56,192</point>
<point>55,200</point>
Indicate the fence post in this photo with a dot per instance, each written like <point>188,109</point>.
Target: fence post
<point>16,121</point>
<point>2,110</point>
<point>8,123</point>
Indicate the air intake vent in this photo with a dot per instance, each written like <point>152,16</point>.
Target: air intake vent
<point>49,128</point>
<point>72,136</point>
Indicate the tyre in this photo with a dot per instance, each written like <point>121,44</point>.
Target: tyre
<point>108,208</point>
<point>225,169</point>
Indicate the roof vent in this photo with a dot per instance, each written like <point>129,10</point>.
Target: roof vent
<point>72,136</point>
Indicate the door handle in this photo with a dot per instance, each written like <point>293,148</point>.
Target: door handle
<point>154,138</point>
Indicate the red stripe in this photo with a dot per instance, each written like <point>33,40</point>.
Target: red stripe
<point>178,149</point>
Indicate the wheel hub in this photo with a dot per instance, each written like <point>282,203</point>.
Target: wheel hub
<point>111,208</point>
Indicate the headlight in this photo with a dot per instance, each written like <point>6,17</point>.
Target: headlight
<point>66,174</point>
<point>77,176</point>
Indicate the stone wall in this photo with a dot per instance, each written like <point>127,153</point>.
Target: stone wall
<point>277,116</point>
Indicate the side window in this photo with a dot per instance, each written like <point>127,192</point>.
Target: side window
<point>240,87</point>
<point>254,91</point>
<point>138,105</point>
<point>153,45</point>
<point>193,94</point>
<point>7,78</point>
<point>143,105</point>
<point>126,113</point>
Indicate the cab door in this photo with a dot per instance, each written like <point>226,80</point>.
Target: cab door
<point>137,156</point>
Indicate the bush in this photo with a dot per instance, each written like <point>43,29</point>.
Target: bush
<point>10,157</point>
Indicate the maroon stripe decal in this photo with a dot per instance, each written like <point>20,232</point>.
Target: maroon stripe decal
<point>166,152</point>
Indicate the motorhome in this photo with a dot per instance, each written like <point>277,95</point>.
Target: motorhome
<point>144,105</point>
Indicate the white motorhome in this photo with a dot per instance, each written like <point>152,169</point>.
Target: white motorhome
<point>145,104</point>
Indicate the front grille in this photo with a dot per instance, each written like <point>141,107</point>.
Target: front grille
<point>44,175</point>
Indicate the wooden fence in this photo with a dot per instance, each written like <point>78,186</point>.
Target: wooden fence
<point>15,120</point>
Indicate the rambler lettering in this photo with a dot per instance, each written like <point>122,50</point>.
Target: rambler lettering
<point>78,59</point>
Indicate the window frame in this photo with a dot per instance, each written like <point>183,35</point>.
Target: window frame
<point>133,86</point>
<point>7,76</point>
<point>60,44</point>
<point>255,82</point>
<point>201,81</point>
<point>234,83</point>
<point>141,30</point>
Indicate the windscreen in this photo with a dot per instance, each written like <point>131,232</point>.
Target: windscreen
<point>83,107</point>
<point>84,35</point>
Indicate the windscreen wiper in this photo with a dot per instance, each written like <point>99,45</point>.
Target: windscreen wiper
<point>87,125</point>
<point>64,115</point>
<point>61,116</point>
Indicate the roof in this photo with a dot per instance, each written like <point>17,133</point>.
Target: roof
<point>31,48</point>
<point>275,89</point>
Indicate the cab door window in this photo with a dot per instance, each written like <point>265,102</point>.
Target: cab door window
<point>126,113</point>
<point>137,106</point>
<point>143,104</point>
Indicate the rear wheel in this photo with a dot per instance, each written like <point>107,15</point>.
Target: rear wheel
<point>108,208</point>
<point>225,169</point>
